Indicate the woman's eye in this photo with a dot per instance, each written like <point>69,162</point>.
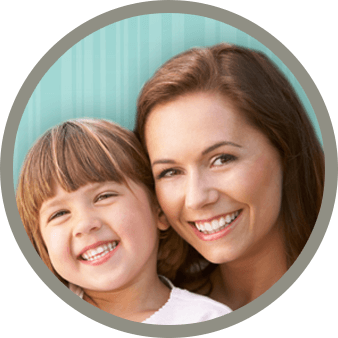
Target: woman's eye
<point>223,159</point>
<point>168,173</point>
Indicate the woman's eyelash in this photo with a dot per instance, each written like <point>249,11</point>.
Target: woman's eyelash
<point>224,158</point>
<point>168,173</point>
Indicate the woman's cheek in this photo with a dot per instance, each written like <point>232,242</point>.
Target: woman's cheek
<point>169,195</point>
<point>262,187</point>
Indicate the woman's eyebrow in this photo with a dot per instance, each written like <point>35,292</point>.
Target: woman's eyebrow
<point>219,144</point>
<point>164,161</point>
<point>204,152</point>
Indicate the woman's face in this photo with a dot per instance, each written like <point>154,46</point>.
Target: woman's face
<point>218,179</point>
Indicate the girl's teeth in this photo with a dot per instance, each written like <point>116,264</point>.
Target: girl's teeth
<point>99,252</point>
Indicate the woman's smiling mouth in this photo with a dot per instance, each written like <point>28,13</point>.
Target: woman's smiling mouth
<point>217,227</point>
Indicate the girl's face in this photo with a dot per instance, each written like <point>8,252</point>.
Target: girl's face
<point>102,236</point>
<point>218,179</point>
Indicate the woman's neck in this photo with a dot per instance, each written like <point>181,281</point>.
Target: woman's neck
<point>135,302</point>
<point>239,282</point>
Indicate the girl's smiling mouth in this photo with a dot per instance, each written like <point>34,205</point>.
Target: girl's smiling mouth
<point>98,253</point>
<point>217,227</point>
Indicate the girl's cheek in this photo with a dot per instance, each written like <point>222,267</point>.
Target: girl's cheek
<point>57,244</point>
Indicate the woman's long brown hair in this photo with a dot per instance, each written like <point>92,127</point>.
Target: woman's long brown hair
<point>268,101</point>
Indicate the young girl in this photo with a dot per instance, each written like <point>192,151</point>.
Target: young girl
<point>85,196</point>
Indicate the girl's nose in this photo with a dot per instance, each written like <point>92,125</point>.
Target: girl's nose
<point>199,192</point>
<point>87,225</point>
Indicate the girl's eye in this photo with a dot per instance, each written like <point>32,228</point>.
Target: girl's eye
<point>105,196</point>
<point>223,159</point>
<point>58,214</point>
<point>168,173</point>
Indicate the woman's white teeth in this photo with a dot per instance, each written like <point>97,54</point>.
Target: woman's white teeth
<point>216,224</point>
<point>99,252</point>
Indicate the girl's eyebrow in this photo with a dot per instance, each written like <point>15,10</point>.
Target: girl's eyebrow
<point>204,152</point>
<point>56,200</point>
<point>50,204</point>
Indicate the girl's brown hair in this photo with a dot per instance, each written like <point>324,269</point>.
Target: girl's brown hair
<point>72,155</point>
<point>265,97</point>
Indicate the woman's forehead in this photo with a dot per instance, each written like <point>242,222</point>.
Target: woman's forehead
<point>192,117</point>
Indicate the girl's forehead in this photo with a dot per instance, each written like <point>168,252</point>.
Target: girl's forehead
<point>91,188</point>
<point>59,194</point>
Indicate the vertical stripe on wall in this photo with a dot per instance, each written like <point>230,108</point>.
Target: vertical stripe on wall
<point>103,76</point>
<point>155,41</point>
<point>111,71</point>
<point>194,28</point>
<point>133,74</point>
<point>79,80</point>
<point>166,33</point>
<point>125,74</point>
<point>177,33</point>
<point>96,81</point>
<point>209,32</point>
<point>66,84</point>
<point>88,75</point>
<point>119,79</point>
<point>38,112</point>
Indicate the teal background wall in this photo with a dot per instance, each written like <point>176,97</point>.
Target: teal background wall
<point>102,74</point>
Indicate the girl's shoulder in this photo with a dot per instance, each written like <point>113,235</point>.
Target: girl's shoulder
<point>206,304</point>
<point>185,307</point>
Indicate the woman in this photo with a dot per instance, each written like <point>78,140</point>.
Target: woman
<point>238,170</point>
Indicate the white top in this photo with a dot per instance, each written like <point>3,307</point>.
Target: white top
<point>182,307</point>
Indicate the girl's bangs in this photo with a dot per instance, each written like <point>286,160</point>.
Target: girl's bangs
<point>81,158</point>
<point>72,156</point>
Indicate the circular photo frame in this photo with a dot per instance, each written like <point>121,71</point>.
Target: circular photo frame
<point>30,91</point>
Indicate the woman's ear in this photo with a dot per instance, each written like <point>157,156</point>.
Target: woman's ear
<point>162,221</point>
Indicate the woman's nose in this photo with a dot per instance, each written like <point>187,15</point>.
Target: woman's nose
<point>87,225</point>
<point>199,192</point>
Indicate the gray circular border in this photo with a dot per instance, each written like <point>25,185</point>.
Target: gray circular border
<point>153,7</point>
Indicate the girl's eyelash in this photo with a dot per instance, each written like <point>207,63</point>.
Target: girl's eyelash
<point>105,196</point>
<point>58,214</point>
<point>64,212</point>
